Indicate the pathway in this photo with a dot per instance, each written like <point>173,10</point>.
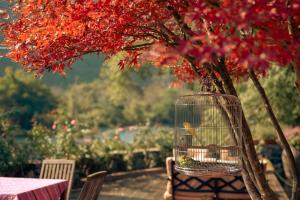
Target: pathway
<point>146,187</point>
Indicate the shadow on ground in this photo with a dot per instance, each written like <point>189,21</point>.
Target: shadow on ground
<point>145,187</point>
<point>112,197</point>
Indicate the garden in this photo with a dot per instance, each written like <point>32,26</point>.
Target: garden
<point>96,82</point>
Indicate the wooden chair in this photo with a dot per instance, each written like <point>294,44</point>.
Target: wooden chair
<point>59,169</point>
<point>92,187</point>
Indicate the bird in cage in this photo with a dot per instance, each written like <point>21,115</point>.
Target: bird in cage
<point>192,131</point>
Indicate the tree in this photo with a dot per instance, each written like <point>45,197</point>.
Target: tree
<point>281,93</point>
<point>222,39</point>
<point>25,98</point>
<point>107,101</point>
<point>120,98</point>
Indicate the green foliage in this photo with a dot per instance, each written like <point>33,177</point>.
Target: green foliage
<point>13,154</point>
<point>116,99</point>
<point>159,103</point>
<point>24,97</point>
<point>122,98</point>
<point>154,137</point>
<point>268,135</point>
<point>295,142</point>
<point>64,140</point>
<point>76,141</point>
<point>283,95</point>
<point>42,141</point>
<point>83,71</point>
<point>279,86</point>
<point>185,161</point>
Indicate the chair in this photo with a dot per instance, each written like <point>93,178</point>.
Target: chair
<point>92,187</point>
<point>182,187</point>
<point>59,169</point>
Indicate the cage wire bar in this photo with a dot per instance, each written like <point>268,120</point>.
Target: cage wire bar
<point>207,131</point>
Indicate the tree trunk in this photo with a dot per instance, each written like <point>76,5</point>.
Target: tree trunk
<point>258,188</point>
<point>262,184</point>
<point>252,190</point>
<point>286,164</point>
<point>248,172</point>
<point>284,143</point>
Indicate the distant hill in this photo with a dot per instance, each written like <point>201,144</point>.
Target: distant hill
<point>85,70</point>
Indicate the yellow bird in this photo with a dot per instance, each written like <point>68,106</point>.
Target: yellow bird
<point>190,129</point>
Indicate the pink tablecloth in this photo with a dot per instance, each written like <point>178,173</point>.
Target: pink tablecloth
<point>31,188</point>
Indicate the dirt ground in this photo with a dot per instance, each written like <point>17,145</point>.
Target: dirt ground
<point>145,187</point>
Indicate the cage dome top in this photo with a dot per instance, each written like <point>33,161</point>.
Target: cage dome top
<point>206,96</point>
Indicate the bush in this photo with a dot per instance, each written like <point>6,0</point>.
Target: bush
<point>66,139</point>
<point>155,136</point>
<point>14,155</point>
<point>74,140</point>
<point>25,98</point>
<point>6,157</point>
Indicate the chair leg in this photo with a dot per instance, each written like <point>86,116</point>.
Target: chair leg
<point>63,195</point>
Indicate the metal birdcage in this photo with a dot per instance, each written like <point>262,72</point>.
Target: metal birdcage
<point>207,132</point>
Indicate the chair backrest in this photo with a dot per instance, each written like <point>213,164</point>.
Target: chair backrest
<point>92,187</point>
<point>59,169</point>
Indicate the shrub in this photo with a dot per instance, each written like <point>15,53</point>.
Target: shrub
<point>25,98</point>
<point>66,139</point>
<point>14,155</point>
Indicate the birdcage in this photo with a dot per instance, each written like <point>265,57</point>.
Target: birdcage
<point>207,134</point>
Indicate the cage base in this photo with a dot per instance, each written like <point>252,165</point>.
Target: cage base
<point>228,170</point>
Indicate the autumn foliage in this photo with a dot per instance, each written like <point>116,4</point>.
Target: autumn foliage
<point>224,39</point>
<point>52,34</point>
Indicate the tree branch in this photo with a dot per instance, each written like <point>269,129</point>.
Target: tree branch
<point>138,46</point>
<point>283,141</point>
<point>169,32</point>
<point>186,30</point>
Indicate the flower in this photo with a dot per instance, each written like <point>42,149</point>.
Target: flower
<point>54,126</point>
<point>117,137</point>
<point>73,122</point>
<point>121,129</point>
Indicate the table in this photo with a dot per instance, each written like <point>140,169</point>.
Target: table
<point>31,188</point>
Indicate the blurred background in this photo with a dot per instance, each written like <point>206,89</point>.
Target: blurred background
<point>107,118</point>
